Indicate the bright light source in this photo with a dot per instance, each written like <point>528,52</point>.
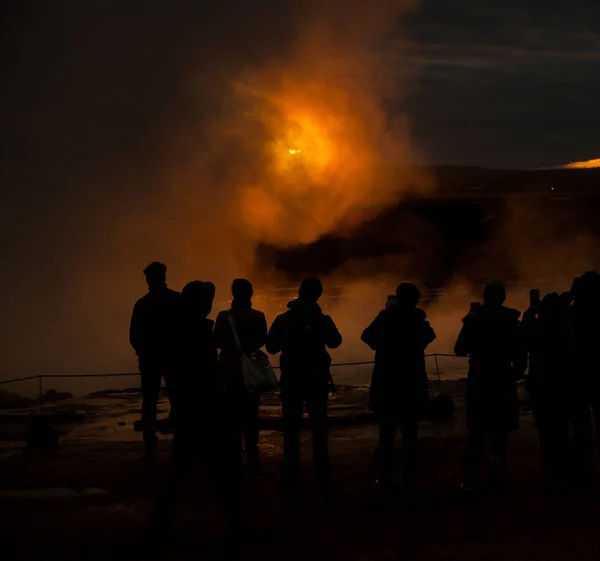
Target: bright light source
<point>292,151</point>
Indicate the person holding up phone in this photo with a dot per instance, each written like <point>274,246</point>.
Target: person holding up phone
<point>497,359</point>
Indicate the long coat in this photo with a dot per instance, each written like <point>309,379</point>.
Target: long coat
<point>497,359</point>
<point>399,338</point>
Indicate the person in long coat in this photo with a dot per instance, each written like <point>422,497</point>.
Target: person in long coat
<point>497,360</point>
<point>399,393</point>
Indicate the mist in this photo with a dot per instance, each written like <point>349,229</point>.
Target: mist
<point>160,132</point>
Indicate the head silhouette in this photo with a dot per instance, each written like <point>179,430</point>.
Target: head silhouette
<point>197,297</point>
<point>494,293</point>
<point>241,289</point>
<point>156,274</point>
<point>311,289</point>
<point>408,295</point>
<point>587,287</point>
<point>551,306</point>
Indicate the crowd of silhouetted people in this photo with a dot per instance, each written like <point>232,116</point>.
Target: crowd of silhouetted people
<point>215,417</point>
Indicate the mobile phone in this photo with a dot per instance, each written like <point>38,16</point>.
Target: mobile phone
<point>391,300</point>
<point>474,307</point>
<point>534,297</point>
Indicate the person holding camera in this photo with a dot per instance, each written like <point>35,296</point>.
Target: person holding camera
<point>497,360</point>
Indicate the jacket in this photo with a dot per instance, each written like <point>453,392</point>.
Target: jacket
<point>155,323</point>
<point>302,335</point>
<point>399,383</point>
<point>497,359</point>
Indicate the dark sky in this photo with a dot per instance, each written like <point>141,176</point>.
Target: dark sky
<point>507,83</point>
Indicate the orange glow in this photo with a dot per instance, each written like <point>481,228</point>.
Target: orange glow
<point>319,164</point>
<point>584,165</point>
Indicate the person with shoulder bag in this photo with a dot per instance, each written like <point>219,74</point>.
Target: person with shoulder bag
<point>240,332</point>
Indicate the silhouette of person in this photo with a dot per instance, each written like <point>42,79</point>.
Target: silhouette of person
<point>586,328</point>
<point>548,335</point>
<point>302,335</point>
<point>399,391</point>
<point>497,360</point>
<point>203,432</point>
<point>251,327</point>
<point>153,334</point>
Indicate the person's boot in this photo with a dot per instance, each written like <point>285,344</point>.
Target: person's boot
<point>254,465</point>
<point>384,484</point>
<point>496,475</point>
<point>287,478</point>
<point>468,485</point>
<point>151,444</point>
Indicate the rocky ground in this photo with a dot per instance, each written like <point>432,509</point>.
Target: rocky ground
<point>89,498</point>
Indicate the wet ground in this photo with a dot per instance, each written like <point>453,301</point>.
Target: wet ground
<point>90,498</point>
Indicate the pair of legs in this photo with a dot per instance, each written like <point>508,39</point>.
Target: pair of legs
<point>218,457</point>
<point>564,457</point>
<point>409,428</point>
<point>474,454</point>
<point>293,411</point>
<point>152,373</point>
<point>246,408</point>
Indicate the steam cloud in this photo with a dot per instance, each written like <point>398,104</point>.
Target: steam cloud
<point>166,133</point>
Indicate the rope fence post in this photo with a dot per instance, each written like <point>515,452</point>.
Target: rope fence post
<point>437,368</point>
<point>41,390</point>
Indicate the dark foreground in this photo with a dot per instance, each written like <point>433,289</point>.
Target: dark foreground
<point>107,520</point>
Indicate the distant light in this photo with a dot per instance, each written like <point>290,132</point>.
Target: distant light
<point>551,188</point>
<point>292,152</point>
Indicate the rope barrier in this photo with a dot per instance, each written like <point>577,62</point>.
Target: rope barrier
<point>123,374</point>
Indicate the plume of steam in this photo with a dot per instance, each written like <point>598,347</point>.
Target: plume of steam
<point>186,141</point>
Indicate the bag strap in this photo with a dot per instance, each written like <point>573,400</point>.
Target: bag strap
<point>236,338</point>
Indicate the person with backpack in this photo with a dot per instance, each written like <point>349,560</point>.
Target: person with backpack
<point>399,391</point>
<point>302,335</point>
<point>245,327</point>
<point>497,360</point>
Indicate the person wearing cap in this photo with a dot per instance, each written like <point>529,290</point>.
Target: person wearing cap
<point>302,335</point>
<point>399,393</point>
<point>497,360</point>
<point>251,330</point>
<point>153,334</point>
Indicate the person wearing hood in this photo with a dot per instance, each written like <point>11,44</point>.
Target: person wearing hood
<point>302,335</point>
<point>202,431</point>
<point>153,334</point>
<point>251,328</point>
<point>399,392</point>
<point>497,360</point>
